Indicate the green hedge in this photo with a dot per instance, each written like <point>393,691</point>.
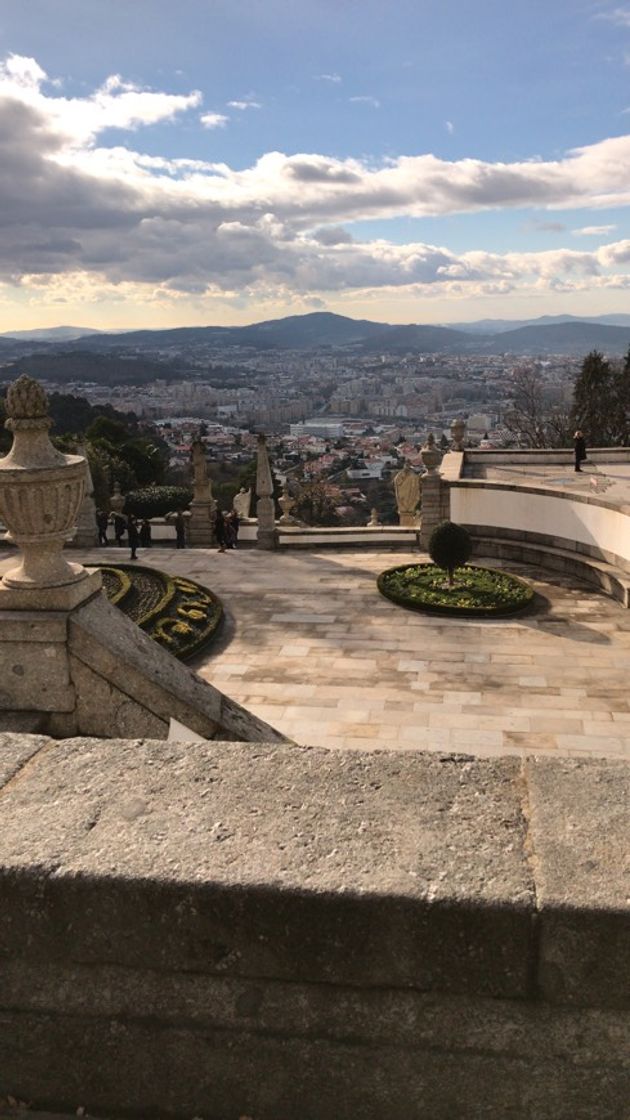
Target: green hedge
<point>156,501</point>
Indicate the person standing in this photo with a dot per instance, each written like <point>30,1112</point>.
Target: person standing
<point>102,521</point>
<point>180,529</point>
<point>232,523</point>
<point>120,526</point>
<point>579,444</point>
<point>145,533</point>
<point>220,530</point>
<point>133,534</point>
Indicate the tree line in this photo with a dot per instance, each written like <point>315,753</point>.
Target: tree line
<point>599,406</point>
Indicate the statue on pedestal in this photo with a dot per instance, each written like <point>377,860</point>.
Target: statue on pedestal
<point>200,525</point>
<point>407,490</point>
<point>242,503</point>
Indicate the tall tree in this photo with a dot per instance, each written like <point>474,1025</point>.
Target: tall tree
<point>592,398</point>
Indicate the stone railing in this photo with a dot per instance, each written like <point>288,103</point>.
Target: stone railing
<point>210,929</point>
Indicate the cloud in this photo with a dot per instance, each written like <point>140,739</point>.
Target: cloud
<point>242,105</point>
<point>214,120</point>
<point>366,99</point>
<point>593,231</point>
<point>81,214</point>
<point>619,16</point>
<point>547,227</point>
<point>336,78</point>
<point>449,126</point>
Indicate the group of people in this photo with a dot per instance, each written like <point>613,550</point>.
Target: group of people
<point>138,533</point>
<point>226,526</point>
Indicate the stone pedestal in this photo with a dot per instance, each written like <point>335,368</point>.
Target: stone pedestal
<point>201,524</point>
<point>432,505</point>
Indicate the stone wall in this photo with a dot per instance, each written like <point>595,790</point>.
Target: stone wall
<point>599,527</point>
<point>284,933</point>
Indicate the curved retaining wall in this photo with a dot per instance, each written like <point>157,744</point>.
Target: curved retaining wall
<point>579,522</point>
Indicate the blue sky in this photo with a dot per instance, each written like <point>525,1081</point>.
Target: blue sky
<point>215,162</point>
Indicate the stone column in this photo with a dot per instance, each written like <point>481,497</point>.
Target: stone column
<point>203,505</point>
<point>86,535</point>
<point>431,512</point>
<point>267,534</point>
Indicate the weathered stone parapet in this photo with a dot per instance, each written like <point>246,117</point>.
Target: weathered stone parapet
<point>290,932</point>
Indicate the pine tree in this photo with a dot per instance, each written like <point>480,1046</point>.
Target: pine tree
<point>592,394</point>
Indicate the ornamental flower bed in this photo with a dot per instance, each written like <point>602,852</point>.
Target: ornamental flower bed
<point>480,592</point>
<point>178,613</point>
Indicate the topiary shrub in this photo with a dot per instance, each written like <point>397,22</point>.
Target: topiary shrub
<point>156,501</point>
<point>450,547</point>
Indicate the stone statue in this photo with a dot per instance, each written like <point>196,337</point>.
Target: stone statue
<point>242,503</point>
<point>407,490</point>
<point>374,522</point>
<point>200,532</point>
<point>199,465</point>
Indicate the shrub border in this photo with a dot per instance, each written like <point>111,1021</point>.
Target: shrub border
<point>150,620</point>
<point>454,611</point>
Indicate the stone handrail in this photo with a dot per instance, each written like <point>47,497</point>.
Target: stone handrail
<point>213,929</point>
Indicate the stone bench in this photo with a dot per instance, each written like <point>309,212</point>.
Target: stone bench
<point>613,580</point>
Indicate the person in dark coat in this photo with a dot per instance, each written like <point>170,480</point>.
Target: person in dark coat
<point>232,525</point>
<point>102,521</point>
<point>145,534</point>
<point>133,534</point>
<point>180,529</point>
<point>120,528</point>
<point>579,444</point>
<point>220,530</point>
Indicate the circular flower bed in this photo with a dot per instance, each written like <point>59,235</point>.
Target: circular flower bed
<point>480,592</point>
<point>178,613</point>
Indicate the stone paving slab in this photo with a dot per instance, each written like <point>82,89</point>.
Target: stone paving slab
<point>312,648</point>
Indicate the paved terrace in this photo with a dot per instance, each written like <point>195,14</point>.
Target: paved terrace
<point>311,647</point>
<point>609,479</point>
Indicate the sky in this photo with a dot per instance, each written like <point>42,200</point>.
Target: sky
<point>228,161</point>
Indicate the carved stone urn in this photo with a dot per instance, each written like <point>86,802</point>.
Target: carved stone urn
<point>458,434</point>
<point>40,492</point>
<point>430,454</point>
<point>287,504</point>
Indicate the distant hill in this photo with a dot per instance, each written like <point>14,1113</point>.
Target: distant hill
<point>499,326</point>
<point>559,338</point>
<point>322,329</point>
<point>85,365</point>
<point>50,334</point>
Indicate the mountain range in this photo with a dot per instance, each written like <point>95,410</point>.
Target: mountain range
<point>569,335</point>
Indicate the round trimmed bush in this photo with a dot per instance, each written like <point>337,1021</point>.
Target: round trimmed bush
<point>450,547</point>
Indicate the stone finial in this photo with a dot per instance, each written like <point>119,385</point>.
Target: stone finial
<point>374,522</point>
<point>287,505</point>
<point>40,493</point>
<point>26,401</point>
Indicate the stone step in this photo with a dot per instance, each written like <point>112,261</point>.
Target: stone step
<point>608,578</point>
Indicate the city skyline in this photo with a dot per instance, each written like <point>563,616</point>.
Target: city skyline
<point>435,162</point>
